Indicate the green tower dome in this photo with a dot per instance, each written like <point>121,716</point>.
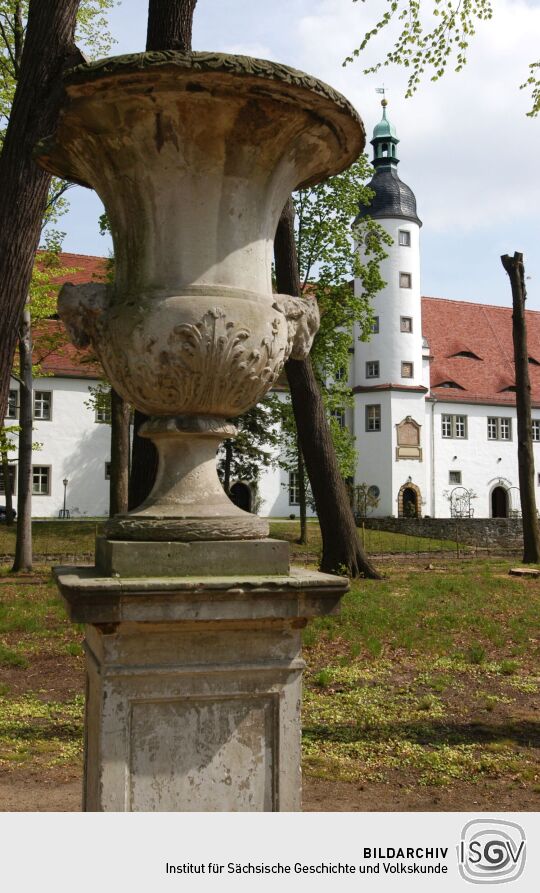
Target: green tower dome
<point>384,128</point>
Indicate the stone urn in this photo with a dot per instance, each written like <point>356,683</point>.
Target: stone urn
<point>194,156</point>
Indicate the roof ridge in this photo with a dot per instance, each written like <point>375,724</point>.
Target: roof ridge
<point>472,303</point>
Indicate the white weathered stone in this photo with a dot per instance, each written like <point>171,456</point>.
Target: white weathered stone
<point>194,156</point>
<point>194,688</point>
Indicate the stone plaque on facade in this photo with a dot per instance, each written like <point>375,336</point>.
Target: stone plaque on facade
<point>408,439</point>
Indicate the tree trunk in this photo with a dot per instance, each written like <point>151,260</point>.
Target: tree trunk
<point>23,544</point>
<point>144,463</point>
<point>301,494</point>
<point>341,546</point>
<point>120,415</point>
<point>170,24</point>
<point>23,185</point>
<point>8,492</point>
<point>531,533</point>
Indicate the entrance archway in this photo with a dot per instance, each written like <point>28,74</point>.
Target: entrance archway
<point>499,503</point>
<point>241,496</point>
<point>409,501</point>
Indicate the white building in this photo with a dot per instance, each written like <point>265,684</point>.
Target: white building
<point>434,394</point>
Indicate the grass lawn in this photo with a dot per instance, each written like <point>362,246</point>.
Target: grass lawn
<point>74,540</point>
<point>428,680</point>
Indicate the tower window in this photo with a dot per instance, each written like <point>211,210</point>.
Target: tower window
<point>373,417</point>
<point>404,238</point>
<point>405,324</point>
<point>405,280</point>
<point>407,370</point>
<point>454,477</point>
<point>372,369</point>
<point>375,325</point>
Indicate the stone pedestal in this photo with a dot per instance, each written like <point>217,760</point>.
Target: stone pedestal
<point>194,686</point>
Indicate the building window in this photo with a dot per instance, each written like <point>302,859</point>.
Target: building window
<point>536,429</point>
<point>404,238</point>
<point>107,471</point>
<point>405,280</point>
<point>43,405</point>
<point>13,405</point>
<point>499,428</point>
<point>373,417</point>
<point>407,370</point>
<point>339,417</point>
<point>454,477</point>
<point>375,325</point>
<point>454,426</point>
<point>341,374</point>
<point>372,369</point>
<point>294,488</point>
<point>103,414</point>
<point>41,480</point>
<point>12,480</point>
<point>406,324</point>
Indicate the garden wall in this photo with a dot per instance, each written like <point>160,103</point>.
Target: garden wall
<point>504,533</point>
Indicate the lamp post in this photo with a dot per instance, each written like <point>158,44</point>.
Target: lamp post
<point>63,513</point>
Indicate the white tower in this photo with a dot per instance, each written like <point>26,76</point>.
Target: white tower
<point>388,378</point>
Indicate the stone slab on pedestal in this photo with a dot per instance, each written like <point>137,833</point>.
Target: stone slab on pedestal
<point>146,559</point>
<point>194,687</point>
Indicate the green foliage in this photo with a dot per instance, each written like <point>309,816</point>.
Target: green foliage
<point>93,36</point>
<point>433,36</point>
<point>428,38</point>
<point>99,400</point>
<point>253,448</point>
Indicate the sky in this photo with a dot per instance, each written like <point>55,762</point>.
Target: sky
<point>468,149</point>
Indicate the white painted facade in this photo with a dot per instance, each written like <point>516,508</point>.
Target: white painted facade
<point>73,447</point>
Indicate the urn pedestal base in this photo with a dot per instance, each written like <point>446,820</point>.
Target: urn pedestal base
<point>187,502</point>
<point>194,687</point>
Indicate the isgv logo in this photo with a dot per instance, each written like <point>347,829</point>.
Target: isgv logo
<point>491,851</point>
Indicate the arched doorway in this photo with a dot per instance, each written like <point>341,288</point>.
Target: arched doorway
<point>499,503</point>
<point>241,496</point>
<point>410,503</point>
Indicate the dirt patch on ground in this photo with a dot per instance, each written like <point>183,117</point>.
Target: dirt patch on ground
<point>60,791</point>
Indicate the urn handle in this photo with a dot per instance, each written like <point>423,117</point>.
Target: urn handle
<point>81,309</point>
<point>302,315</point>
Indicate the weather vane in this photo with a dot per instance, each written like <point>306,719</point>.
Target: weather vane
<point>384,101</point>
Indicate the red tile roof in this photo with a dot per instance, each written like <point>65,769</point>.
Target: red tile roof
<point>452,327</point>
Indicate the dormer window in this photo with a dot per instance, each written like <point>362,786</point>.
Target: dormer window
<point>449,384</point>
<point>467,354</point>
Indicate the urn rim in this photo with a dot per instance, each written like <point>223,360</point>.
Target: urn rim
<point>183,69</point>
